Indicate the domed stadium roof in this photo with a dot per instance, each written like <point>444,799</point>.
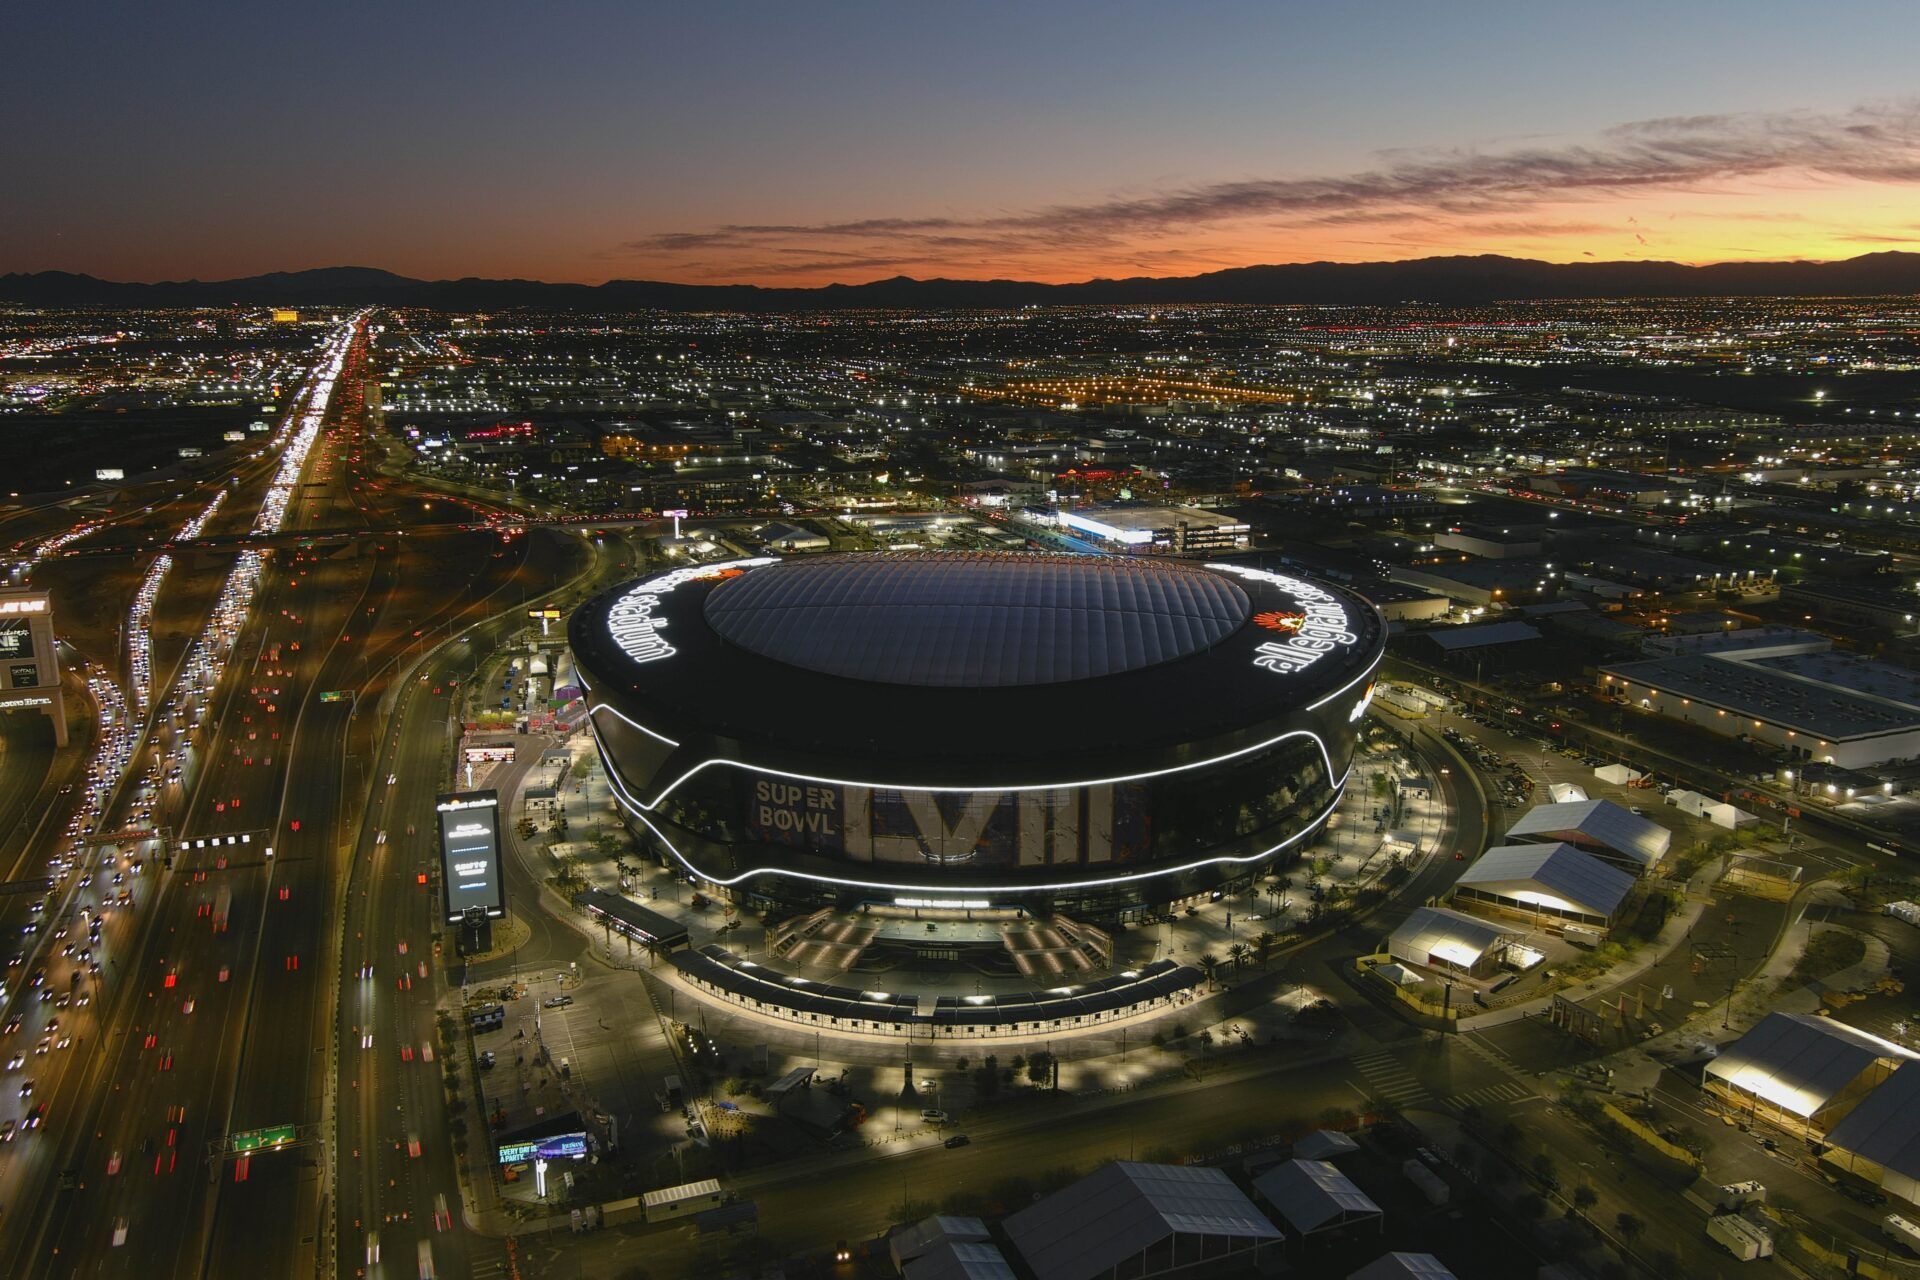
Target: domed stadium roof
<point>966,620</point>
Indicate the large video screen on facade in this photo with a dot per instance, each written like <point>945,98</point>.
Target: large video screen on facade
<point>470,853</point>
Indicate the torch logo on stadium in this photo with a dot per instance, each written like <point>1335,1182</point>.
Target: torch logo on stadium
<point>1274,620</point>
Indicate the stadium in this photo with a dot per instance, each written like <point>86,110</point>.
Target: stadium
<point>1095,735</point>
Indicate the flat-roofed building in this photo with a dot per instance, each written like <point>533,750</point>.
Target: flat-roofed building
<point>1490,542</point>
<point>1141,527</point>
<point>1886,605</point>
<point>1545,882</point>
<point>1599,827</point>
<point>1483,582</point>
<point>1803,1072</point>
<point>1784,688</point>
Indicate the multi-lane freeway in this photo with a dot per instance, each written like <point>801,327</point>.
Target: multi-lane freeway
<point>212,1013</point>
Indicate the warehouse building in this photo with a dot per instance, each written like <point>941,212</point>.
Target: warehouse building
<point>1780,687</point>
<point>1545,882</point>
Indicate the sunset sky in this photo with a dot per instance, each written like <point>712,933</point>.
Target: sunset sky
<point>806,143</point>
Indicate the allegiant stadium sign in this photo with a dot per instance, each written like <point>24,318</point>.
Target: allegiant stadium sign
<point>631,621</point>
<point>1321,628</point>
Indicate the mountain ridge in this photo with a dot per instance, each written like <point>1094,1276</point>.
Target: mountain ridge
<point>1456,280</point>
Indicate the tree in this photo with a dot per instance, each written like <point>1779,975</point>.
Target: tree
<point>1239,953</point>
<point>1542,1167</point>
<point>1040,1066</point>
<point>1208,963</point>
<point>1264,944</point>
<point>1628,1226</point>
<point>1584,1198</point>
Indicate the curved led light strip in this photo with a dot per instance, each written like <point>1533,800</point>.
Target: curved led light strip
<point>1325,755</point>
<point>627,801</point>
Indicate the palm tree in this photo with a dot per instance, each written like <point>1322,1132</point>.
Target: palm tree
<point>1239,953</point>
<point>1208,963</point>
<point>1584,1198</point>
<point>1264,944</point>
<point>1628,1225</point>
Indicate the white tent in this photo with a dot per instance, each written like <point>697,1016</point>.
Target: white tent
<point>1618,774</point>
<point>1730,816</point>
<point>1692,802</point>
<point>1566,792</point>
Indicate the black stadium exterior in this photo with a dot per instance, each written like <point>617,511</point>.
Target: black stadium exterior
<point>1098,735</point>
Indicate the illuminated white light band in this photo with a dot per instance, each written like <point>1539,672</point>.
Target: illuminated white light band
<point>630,622</point>
<point>1324,626</point>
<point>627,802</point>
<point>1325,755</point>
<point>618,714</point>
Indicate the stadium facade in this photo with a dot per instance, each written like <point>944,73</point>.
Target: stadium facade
<point>1100,735</point>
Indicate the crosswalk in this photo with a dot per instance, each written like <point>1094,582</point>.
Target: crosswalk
<point>489,1260</point>
<point>1386,1079</point>
<point>1510,1092</point>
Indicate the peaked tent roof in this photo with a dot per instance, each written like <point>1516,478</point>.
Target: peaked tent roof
<point>960,1260</point>
<point>1311,1194</point>
<point>1600,822</point>
<point>1109,1216</point>
<point>1559,870</point>
<point>1454,935</point>
<point>1404,1266</point>
<point>1885,1127</point>
<point>1799,1062</point>
<point>1323,1143</point>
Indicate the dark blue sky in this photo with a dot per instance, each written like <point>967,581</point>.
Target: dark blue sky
<point>847,141</point>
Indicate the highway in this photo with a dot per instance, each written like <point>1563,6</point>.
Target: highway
<point>392,1095</point>
<point>123,1087</point>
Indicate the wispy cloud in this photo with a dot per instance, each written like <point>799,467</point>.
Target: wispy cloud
<point>1494,192</point>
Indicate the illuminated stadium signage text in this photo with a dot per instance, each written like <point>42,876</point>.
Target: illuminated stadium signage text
<point>631,620</point>
<point>1322,627</point>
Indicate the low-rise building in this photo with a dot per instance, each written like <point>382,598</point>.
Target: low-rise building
<point>1141,527</point>
<point>1784,688</point>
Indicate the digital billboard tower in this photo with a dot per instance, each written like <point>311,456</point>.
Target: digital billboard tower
<point>470,871</point>
<point>29,666</point>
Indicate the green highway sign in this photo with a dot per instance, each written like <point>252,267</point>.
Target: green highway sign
<point>256,1139</point>
<point>336,695</point>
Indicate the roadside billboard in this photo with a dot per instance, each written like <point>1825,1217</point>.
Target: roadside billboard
<point>470,853</point>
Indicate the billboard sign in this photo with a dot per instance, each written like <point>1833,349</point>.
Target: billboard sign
<point>564,1146</point>
<point>490,753</point>
<point>16,640</point>
<point>470,853</point>
<point>31,676</point>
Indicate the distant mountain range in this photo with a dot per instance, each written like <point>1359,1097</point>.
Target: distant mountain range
<point>1446,281</point>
